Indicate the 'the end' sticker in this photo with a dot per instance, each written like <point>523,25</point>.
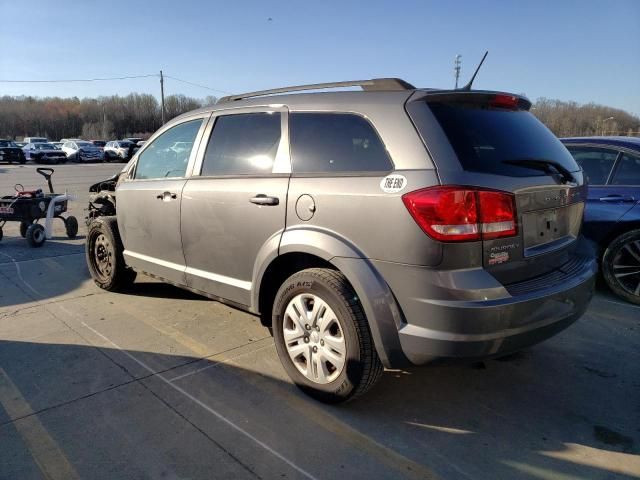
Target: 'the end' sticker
<point>393,183</point>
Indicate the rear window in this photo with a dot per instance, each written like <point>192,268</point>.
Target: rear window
<point>628,171</point>
<point>485,138</point>
<point>335,143</point>
<point>595,162</point>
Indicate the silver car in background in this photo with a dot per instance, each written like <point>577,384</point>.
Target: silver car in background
<point>82,151</point>
<point>121,150</point>
<point>382,228</point>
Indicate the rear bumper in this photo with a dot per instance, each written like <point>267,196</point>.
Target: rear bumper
<point>494,323</point>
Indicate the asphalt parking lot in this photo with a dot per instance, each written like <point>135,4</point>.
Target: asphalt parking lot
<point>160,383</point>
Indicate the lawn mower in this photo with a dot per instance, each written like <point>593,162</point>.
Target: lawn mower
<point>30,206</point>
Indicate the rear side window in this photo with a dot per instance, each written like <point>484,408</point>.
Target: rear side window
<point>335,143</point>
<point>628,171</point>
<point>243,144</point>
<point>485,138</point>
<point>596,163</point>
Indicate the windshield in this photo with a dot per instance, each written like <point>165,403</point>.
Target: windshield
<point>43,146</point>
<point>5,143</point>
<point>485,138</point>
<point>125,144</point>
<point>84,144</point>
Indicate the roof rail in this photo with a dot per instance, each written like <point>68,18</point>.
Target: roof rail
<point>388,84</point>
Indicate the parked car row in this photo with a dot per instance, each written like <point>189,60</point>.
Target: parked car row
<point>40,150</point>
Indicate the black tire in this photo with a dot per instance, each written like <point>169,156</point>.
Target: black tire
<point>362,366</point>
<point>23,228</point>
<point>35,235</point>
<point>1,234</point>
<point>103,251</point>
<point>71,226</point>
<point>622,256</point>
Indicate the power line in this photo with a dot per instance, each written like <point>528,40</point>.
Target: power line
<point>128,77</point>
<point>79,79</point>
<point>198,85</point>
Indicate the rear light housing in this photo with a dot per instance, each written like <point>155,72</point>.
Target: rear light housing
<point>509,102</point>
<point>453,213</point>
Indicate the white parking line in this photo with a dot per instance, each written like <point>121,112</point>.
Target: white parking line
<point>205,406</point>
<point>19,272</point>
<point>218,364</point>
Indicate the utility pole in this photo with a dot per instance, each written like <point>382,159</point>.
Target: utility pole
<point>162,95</point>
<point>457,66</point>
<point>104,123</point>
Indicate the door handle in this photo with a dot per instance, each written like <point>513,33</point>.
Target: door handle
<point>166,196</point>
<point>617,198</point>
<point>262,199</point>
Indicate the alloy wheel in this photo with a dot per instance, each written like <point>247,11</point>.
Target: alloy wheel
<point>626,267</point>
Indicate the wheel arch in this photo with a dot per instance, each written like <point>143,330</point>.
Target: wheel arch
<point>313,248</point>
<point>620,228</point>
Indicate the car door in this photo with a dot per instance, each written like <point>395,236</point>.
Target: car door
<point>606,203</point>
<point>149,201</point>
<point>233,207</point>
<point>625,179</point>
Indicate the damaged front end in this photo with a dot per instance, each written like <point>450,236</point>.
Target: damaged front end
<point>102,198</point>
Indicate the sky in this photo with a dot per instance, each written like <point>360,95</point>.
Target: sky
<point>585,51</point>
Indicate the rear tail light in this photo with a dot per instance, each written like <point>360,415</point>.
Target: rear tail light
<point>462,214</point>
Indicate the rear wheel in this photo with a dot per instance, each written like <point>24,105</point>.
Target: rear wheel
<point>103,251</point>
<point>322,336</point>
<point>71,226</point>
<point>35,235</point>
<point>621,266</point>
<point>23,228</point>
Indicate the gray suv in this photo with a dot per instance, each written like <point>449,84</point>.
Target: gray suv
<point>367,229</point>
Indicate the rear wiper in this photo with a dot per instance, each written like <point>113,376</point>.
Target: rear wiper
<point>548,166</point>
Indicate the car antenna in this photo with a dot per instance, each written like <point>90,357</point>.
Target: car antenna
<point>467,87</point>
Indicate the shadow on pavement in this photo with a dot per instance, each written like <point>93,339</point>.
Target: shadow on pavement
<point>110,413</point>
<point>36,274</point>
<point>144,288</point>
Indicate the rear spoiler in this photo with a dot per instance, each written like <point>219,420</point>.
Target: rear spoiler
<point>508,101</point>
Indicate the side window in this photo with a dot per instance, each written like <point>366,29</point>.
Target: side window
<point>335,142</point>
<point>596,163</point>
<point>167,156</point>
<point>243,144</point>
<point>628,171</point>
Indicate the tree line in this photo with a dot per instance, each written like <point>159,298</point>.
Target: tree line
<point>105,118</point>
<point>567,119</point>
<point>138,114</point>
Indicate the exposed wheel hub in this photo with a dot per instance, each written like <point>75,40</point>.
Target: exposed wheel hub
<point>103,253</point>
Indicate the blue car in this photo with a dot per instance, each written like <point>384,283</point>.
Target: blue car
<point>612,216</point>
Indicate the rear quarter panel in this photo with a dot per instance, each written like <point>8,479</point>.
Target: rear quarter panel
<point>374,223</point>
